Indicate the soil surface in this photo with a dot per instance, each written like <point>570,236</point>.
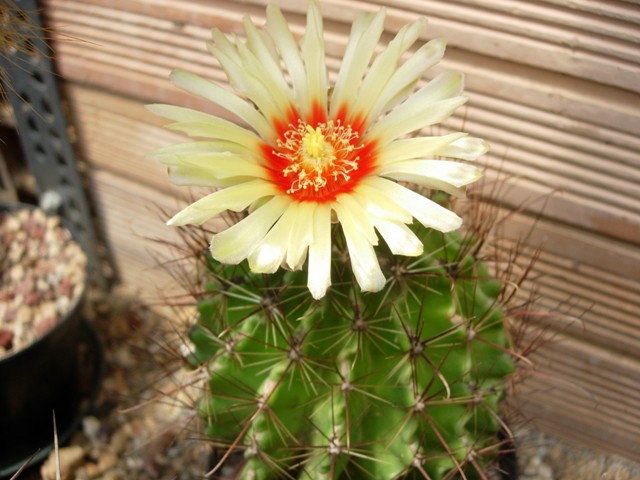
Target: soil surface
<point>142,425</point>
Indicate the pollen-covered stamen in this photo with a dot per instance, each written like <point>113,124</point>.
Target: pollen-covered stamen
<point>318,155</point>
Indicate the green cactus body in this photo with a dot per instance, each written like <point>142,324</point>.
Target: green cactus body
<point>400,383</point>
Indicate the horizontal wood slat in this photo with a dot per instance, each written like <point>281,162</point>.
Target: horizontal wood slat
<point>135,230</point>
<point>554,86</point>
<point>596,390</point>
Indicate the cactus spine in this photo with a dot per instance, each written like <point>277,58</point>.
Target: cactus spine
<point>401,383</point>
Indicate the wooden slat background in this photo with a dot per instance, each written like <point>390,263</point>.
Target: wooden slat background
<point>554,86</point>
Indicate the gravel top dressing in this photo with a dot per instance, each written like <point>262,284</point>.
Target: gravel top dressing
<point>42,276</point>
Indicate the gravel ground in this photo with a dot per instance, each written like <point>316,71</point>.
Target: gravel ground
<point>140,429</point>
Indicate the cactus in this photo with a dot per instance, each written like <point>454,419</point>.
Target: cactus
<point>369,360</point>
<point>402,382</point>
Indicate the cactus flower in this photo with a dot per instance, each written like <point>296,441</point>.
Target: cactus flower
<point>306,153</point>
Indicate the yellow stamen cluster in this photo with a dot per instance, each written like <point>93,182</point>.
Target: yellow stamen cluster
<point>318,154</point>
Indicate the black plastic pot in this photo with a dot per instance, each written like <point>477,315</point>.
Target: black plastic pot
<point>59,372</point>
<point>508,459</point>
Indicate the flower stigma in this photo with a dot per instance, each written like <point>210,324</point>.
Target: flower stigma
<point>320,158</point>
<point>315,148</point>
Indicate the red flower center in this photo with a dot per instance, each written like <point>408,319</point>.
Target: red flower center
<point>316,161</point>
<point>317,157</point>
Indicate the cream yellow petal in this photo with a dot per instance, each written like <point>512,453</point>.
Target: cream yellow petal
<point>432,104</point>
<point>198,124</point>
<point>426,211</point>
<point>264,50</point>
<point>198,86</point>
<point>289,51</point>
<point>319,276</point>
<point>466,148</point>
<point>364,261</point>
<point>380,206</point>
<point>237,242</point>
<point>312,49</point>
<point>384,66</point>
<point>365,33</point>
<point>406,76</point>
<point>248,76</point>
<point>389,220</point>
<point>193,176</point>
<point>430,183</point>
<point>165,154</point>
<point>416,116</point>
<point>270,252</point>
<point>400,239</point>
<point>235,198</point>
<point>301,235</point>
<point>349,209</point>
<point>422,172</point>
<point>415,148</point>
<point>220,164</point>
